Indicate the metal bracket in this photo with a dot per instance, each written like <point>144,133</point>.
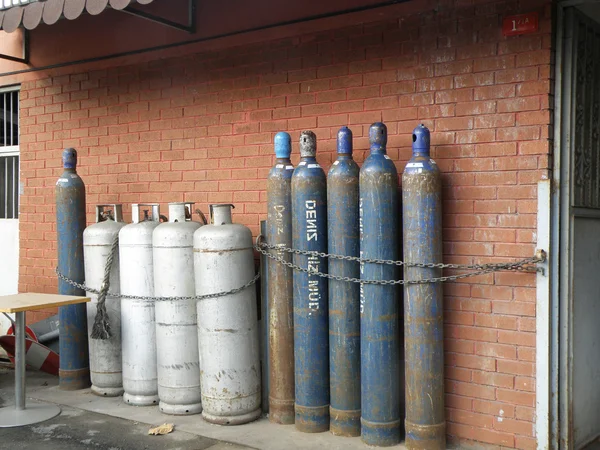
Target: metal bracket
<point>25,58</point>
<point>189,28</point>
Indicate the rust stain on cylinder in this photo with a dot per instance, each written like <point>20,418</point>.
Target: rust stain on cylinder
<point>309,426</point>
<point>73,380</point>
<point>423,303</point>
<point>280,294</point>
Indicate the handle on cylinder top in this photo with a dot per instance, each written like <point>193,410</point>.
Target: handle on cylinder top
<point>102,211</point>
<point>202,216</point>
<point>180,211</point>
<point>135,212</point>
<point>188,211</point>
<point>176,213</point>
<point>211,209</point>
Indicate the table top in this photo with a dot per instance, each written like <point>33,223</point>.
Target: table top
<point>32,301</point>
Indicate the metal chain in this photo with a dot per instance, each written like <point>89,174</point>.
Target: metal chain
<point>361,281</point>
<point>518,265</point>
<point>150,298</point>
<point>481,269</point>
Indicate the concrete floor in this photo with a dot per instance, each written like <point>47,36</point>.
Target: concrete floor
<point>76,429</point>
<point>593,446</point>
<point>88,421</point>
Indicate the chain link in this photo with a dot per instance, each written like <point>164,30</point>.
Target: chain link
<point>524,265</point>
<point>518,265</point>
<point>480,269</point>
<point>150,298</point>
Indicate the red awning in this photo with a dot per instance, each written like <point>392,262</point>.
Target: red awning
<point>50,11</point>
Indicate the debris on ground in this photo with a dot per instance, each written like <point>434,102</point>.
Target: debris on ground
<point>165,428</point>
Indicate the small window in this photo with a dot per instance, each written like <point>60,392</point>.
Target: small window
<point>9,154</point>
<point>9,187</point>
<point>9,115</point>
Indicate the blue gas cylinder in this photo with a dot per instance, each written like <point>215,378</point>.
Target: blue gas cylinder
<point>344,297</point>
<point>280,285</point>
<point>379,309</point>
<point>311,330</point>
<point>423,303</point>
<point>74,371</point>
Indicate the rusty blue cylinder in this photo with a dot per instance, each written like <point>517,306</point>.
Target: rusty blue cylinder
<point>280,285</point>
<point>74,369</point>
<point>379,327</point>
<point>264,324</point>
<point>423,303</point>
<point>311,327</point>
<point>344,297</point>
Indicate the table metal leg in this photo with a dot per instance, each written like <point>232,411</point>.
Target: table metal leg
<point>20,361</point>
<point>34,412</point>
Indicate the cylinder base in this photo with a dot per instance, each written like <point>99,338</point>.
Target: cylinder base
<point>429,437</point>
<point>180,410</point>
<point>380,434</point>
<point>107,391</point>
<point>73,380</point>
<point>344,423</point>
<point>140,400</point>
<point>312,419</point>
<point>281,411</point>
<point>232,420</point>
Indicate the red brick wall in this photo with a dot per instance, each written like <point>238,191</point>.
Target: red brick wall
<point>200,128</point>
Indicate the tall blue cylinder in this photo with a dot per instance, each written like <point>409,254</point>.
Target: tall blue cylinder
<point>264,324</point>
<point>344,298</point>
<point>74,371</point>
<point>311,339</point>
<point>379,330</point>
<point>280,285</point>
<point>423,303</point>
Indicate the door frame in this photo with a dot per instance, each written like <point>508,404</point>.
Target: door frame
<point>554,333</point>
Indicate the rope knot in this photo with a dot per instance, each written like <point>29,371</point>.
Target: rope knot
<point>101,328</point>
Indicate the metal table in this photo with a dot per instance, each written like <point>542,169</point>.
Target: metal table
<point>19,304</point>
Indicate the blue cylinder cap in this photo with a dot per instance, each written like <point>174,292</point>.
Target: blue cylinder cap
<point>69,158</point>
<point>378,135</point>
<point>308,144</point>
<point>344,141</point>
<point>421,139</point>
<point>283,145</point>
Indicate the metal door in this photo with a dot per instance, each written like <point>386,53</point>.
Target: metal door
<point>9,195</point>
<point>580,297</point>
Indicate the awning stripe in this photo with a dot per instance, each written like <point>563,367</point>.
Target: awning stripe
<point>119,4</point>
<point>95,7</point>
<point>50,11</point>
<point>12,19</point>
<point>32,15</point>
<point>73,9</point>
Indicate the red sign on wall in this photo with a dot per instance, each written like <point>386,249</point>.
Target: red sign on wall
<point>521,24</point>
